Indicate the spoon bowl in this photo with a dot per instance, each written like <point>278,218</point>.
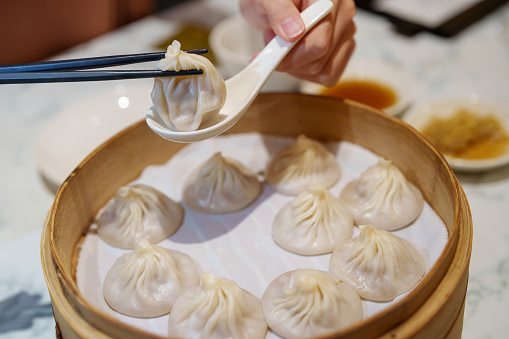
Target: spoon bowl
<point>242,88</point>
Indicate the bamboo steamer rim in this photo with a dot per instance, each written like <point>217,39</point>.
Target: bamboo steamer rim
<point>420,292</point>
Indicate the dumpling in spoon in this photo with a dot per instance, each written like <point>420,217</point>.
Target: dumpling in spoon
<point>221,185</point>
<point>379,265</point>
<point>383,198</point>
<point>305,162</point>
<point>308,303</point>
<point>147,282</point>
<point>315,222</point>
<point>185,102</point>
<point>138,212</point>
<point>217,309</point>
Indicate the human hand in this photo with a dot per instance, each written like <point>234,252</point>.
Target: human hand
<point>322,54</point>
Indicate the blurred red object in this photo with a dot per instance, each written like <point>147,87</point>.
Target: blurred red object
<point>32,30</point>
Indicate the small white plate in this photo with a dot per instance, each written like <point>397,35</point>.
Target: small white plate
<point>420,115</point>
<point>78,129</point>
<point>379,71</point>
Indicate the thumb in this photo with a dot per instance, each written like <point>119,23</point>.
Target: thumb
<point>284,19</point>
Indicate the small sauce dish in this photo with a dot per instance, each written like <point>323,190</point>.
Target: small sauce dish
<point>480,127</point>
<point>376,83</point>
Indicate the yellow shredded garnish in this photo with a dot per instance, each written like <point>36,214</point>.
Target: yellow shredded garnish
<point>464,131</point>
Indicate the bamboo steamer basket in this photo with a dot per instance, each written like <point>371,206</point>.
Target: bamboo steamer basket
<point>433,309</point>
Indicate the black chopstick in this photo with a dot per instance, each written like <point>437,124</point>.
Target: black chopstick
<point>76,76</point>
<point>88,63</point>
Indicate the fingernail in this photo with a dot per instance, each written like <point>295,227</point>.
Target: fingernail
<point>292,27</point>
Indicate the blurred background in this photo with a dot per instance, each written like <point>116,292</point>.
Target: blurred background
<point>32,30</point>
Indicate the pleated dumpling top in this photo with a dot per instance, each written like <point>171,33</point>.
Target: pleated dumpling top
<point>303,163</point>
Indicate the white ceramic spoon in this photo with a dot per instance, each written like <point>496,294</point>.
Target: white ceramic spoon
<point>243,88</point>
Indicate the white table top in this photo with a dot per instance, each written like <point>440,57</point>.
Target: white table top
<point>474,62</point>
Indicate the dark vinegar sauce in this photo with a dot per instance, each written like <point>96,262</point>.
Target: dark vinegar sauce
<point>368,92</point>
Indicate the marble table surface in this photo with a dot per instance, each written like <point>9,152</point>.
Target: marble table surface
<point>475,62</point>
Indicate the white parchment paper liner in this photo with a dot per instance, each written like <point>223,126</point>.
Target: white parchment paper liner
<point>239,245</point>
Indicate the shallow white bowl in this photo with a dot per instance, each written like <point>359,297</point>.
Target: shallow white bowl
<point>234,43</point>
<point>379,71</point>
<point>76,130</point>
<point>420,115</point>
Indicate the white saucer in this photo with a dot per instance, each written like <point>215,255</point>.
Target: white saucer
<point>420,115</point>
<point>78,129</point>
<point>380,71</point>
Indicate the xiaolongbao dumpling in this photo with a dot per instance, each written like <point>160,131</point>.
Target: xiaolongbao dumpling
<point>147,282</point>
<point>217,308</point>
<point>138,212</point>
<point>315,222</point>
<point>184,102</point>
<point>378,264</point>
<point>305,162</point>
<point>308,303</point>
<point>221,185</point>
<point>383,198</point>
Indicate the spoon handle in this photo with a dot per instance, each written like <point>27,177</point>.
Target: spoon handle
<point>270,57</point>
